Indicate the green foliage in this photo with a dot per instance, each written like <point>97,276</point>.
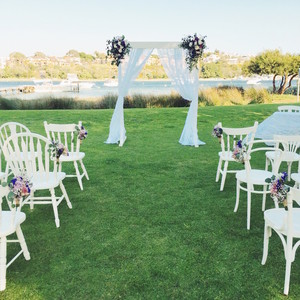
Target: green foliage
<point>274,62</point>
<point>257,96</point>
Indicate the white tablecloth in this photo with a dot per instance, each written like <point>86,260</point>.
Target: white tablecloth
<point>281,123</point>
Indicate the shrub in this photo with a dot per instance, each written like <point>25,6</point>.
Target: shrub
<point>257,96</point>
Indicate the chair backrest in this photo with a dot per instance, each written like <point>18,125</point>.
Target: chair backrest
<point>29,153</point>
<point>11,128</point>
<point>231,136</point>
<point>289,108</point>
<point>65,134</point>
<point>290,143</point>
<point>8,129</point>
<point>252,148</point>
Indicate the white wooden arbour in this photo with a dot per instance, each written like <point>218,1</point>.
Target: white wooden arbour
<point>186,83</point>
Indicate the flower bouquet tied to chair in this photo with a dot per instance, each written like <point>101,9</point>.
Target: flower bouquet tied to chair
<point>19,187</point>
<point>56,149</point>
<point>194,46</point>
<point>117,48</point>
<point>278,188</point>
<point>239,152</point>
<point>217,132</point>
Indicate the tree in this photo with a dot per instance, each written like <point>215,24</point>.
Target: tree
<point>39,55</point>
<point>274,62</point>
<point>73,53</point>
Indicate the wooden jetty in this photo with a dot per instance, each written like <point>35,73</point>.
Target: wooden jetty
<point>18,89</point>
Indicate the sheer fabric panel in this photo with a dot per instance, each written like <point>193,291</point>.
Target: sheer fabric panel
<point>186,84</point>
<point>128,70</point>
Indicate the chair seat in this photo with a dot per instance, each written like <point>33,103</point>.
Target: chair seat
<point>256,176</point>
<point>72,156</point>
<point>7,227</point>
<point>40,181</point>
<point>286,156</point>
<point>277,218</point>
<point>296,177</point>
<point>226,155</point>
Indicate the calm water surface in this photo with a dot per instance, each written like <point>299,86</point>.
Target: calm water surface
<point>138,87</point>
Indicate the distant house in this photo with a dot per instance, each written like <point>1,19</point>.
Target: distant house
<point>211,58</point>
<point>3,61</point>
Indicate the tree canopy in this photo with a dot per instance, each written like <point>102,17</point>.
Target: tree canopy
<point>284,66</point>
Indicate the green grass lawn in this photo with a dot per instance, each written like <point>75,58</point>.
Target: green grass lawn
<point>151,223</point>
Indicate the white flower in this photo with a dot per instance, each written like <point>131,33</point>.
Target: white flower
<point>197,47</point>
<point>195,43</point>
<point>199,42</point>
<point>115,46</point>
<point>120,50</point>
<point>190,44</point>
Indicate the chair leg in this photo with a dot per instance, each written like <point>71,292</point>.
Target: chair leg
<point>63,189</point>
<point>219,169</point>
<point>266,244</point>
<point>54,205</point>
<point>248,208</point>
<point>22,242</point>
<point>287,276</point>
<point>84,170</point>
<point>289,164</point>
<point>78,175</point>
<point>224,175</point>
<point>31,203</point>
<point>264,198</point>
<point>3,245</point>
<point>237,196</point>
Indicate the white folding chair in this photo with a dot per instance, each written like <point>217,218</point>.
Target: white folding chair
<point>66,134</point>
<point>249,179</point>
<point>229,139</point>
<point>290,144</point>
<point>289,108</point>
<point>286,223</point>
<point>10,223</point>
<point>28,152</point>
<point>6,130</point>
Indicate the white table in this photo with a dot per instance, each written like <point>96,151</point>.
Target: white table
<point>281,123</point>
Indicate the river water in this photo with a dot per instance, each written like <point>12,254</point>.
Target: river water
<point>138,87</point>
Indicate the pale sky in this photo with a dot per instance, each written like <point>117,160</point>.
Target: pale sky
<point>234,26</point>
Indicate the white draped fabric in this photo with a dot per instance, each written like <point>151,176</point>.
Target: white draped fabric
<point>128,70</point>
<point>186,84</point>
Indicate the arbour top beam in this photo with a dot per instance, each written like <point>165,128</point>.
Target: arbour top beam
<point>156,45</point>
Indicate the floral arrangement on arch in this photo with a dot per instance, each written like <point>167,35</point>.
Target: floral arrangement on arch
<point>56,149</point>
<point>19,187</point>
<point>239,152</point>
<point>117,48</point>
<point>217,132</point>
<point>194,46</point>
<point>278,188</point>
<point>81,133</point>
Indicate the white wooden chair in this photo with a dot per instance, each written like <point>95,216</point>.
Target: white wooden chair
<point>286,223</point>
<point>229,139</point>
<point>290,144</point>
<point>28,152</point>
<point>6,130</point>
<point>289,108</point>
<point>66,134</point>
<point>250,179</point>
<point>10,223</point>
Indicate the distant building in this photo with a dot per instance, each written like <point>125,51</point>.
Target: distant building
<point>3,61</point>
<point>211,58</point>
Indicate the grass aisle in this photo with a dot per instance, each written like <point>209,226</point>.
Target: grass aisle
<point>151,223</point>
